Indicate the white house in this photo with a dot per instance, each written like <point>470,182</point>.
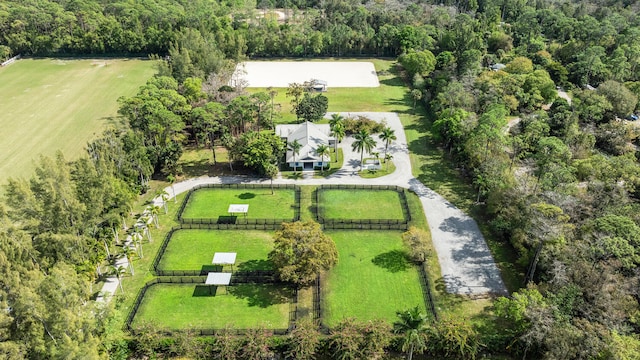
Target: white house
<point>310,136</point>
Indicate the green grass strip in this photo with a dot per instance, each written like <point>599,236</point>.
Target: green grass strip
<point>213,203</point>
<point>183,306</point>
<point>193,249</point>
<point>357,204</point>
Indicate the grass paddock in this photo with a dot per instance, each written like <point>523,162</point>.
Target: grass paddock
<point>372,280</point>
<point>211,203</point>
<point>193,249</point>
<point>357,204</point>
<point>48,105</point>
<point>244,306</point>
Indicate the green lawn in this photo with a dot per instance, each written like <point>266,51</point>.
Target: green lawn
<point>183,306</point>
<point>48,105</point>
<point>359,204</point>
<point>193,249</point>
<point>212,203</point>
<point>372,279</point>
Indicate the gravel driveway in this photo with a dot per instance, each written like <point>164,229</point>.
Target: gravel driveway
<point>466,263</point>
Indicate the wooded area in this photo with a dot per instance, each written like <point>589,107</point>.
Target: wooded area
<point>558,181</point>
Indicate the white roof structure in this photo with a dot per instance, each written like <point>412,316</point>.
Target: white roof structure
<point>215,278</point>
<point>309,135</point>
<point>238,208</point>
<point>224,258</point>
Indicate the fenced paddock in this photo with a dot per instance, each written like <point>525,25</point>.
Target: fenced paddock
<point>188,252</point>
<point>182,303</point>
<point>208,204</point>
<point>279,74</point>
<point>373,279</point>
<point>362,207</point>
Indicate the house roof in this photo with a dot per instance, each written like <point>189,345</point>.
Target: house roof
<point>310,136</point>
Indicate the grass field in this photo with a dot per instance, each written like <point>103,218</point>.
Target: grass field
<point>48,105</point>
<point>372,279</point>
<point>183,306</point>
<point>212,203</point>
<point>194,249</point>
<point>359,204</point>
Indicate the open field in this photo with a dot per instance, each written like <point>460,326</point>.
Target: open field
<point>372,280</point>
<point>183,306</point>
<point>213,203</point>
<point>48,105</point>
<point>279,74</point>
<point>356,204</point>
<point>193,249</point>
<point>391,96</point>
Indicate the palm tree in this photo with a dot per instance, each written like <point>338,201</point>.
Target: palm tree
<point>271,171</point>
<point>363,142</point>
<point>387,158</point>
<point>165,197</point>
<point>171,179</point>
<point>295,146</point>
<point>272,94</point>
<point>155,210</point>
<point>127,252</point>
<point>322,151</point>
<point>136,237</point>
<point>412,325</point>
<point>339,133</point>
<point>387,135</point>
<point>335,120</point>
<point>119,272</point>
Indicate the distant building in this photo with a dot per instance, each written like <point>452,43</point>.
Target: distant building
<point>310,136</point>
<point>319,85</point>
<point>498,66</point>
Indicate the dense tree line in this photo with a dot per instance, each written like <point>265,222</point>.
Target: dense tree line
<point>559,180</point>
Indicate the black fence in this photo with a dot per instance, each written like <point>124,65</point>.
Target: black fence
<point>317,311</point>
<point>293,308</point>
<point>426,291</point>
<point>239,222</point>
<point>365,224</point>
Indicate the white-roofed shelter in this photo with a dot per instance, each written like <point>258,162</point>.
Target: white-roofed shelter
<point>217,279</point>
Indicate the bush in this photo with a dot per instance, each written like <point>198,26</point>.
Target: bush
<point>354,125</point>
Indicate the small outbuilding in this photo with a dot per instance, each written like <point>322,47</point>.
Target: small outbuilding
<point>319,85</point>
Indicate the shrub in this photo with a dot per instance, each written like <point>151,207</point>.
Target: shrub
<point>354,125</point>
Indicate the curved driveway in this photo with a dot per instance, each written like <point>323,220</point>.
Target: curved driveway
<point>465,260</point>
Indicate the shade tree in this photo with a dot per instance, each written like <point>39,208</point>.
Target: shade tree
<point>301,251</point>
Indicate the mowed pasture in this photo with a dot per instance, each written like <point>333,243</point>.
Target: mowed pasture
<point>372,280</point>
<point>241,306</point>
<point>48,105</point>
<point>193,249</point>
<point>214,203</point>
<point>358,204</point>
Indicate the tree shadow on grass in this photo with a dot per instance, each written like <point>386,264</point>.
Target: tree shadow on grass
<point>252,265</point>
<point>210,268</point>
<point>247,195</point>
<point>227,219</point>
<point>393,261</point>
<point>262,295</point>
<point>204,291</point>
